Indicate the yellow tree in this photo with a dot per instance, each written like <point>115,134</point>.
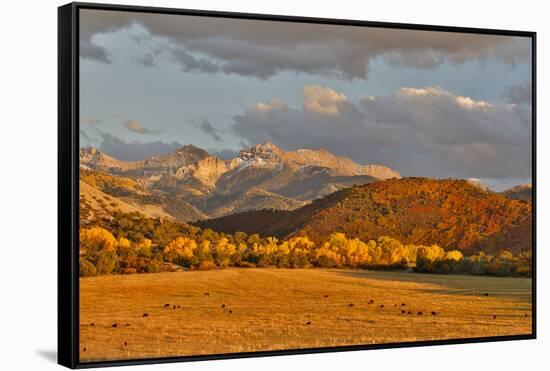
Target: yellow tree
<point>454,255</point>
<point>96,239</point>
<point>181,251</point>
<point>223,251</point>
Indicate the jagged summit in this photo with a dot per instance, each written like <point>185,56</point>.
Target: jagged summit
<point>266,151</point>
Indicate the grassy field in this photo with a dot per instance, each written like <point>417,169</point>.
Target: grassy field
<point>236,310</point>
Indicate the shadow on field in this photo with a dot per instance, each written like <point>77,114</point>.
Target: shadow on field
<point>467,285</point>
<point>50,355</point>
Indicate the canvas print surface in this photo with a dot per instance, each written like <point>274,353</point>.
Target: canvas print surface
<point>252,185</point>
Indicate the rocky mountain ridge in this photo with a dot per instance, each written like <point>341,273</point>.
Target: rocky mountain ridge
<point>273,178</point>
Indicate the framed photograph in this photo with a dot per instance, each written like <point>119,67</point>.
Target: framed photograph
<point>241,185</point>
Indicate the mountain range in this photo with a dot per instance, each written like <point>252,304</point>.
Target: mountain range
<point>306,192</point>
<point>191,184</point>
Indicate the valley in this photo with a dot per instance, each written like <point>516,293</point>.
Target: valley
<point>242,310</point>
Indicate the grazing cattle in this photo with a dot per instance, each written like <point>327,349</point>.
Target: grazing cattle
<point>403,304</point>
<point>420,313</point>
<point>382,306</point>
<point>494,316</point>
<point>179,306</point>
<point>403,312</point>
<point>175,306</point>
<point>526,315</point>
<point>434,314</point>
<point>486,294</point>
<point>409,312</point>
<point>206,294</point>
<point>351,305</point>
<point>166,305</point>
<point>127,325</point>
<point>230,311</point>
<point>308,323</point>
<point>223,305</point>
<point>92,324</point>
<point>395,305</point>
<point>371,301</point>
<point>84,349</point>
<point>114,325</point>
<point>125,344</point>
<point>325,296</point>
<point>145,315</point>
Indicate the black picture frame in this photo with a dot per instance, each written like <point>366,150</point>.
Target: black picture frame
<point>68,185</point>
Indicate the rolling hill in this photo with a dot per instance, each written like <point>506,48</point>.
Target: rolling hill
<point>451,213</point>
<point>101,194</point>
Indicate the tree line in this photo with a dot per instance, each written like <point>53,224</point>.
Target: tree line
<point>130,243</point>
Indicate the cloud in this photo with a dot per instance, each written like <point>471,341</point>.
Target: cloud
<point>225,154</point>
<point>275,104</point>
<point>431,92</point>
<point>263,49</point>
<point>95,52</point>
<point>191,63</point>
<point>207,127</point>
<point>134,150</point>
<point>322,100</point>
<point>86,138</point>
<point>519,94</point>
<point>84,120</point>
<point>136,127</point>
<point>418,131</point>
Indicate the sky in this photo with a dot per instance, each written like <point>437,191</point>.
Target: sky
<point>424,103</point>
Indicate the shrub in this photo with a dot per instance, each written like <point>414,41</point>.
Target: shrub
<point>87,269</point>
<point>107,262</point>
<point>153,266</point>
<point>206,265</point>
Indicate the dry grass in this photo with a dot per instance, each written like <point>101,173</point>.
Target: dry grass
<point>270,309</point>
